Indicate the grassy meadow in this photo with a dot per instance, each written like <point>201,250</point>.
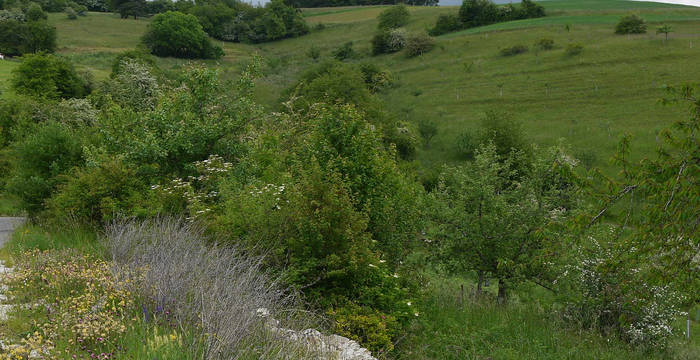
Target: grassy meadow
<point>589,100</point>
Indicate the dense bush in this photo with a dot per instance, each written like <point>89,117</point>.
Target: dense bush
<point>240,22</point>
<point>17,38</point>
<point>344,52</point>
<point>137,56</point>
<point>39,161</point>
<point>631,24</point>
<point>375,78</point>
<point>34,13</point>
<point>48,76</point>
<point>393,17</point>
<point>419,44</point>
<point>71,14</point>
<point>513,50</point>
<point>179,35</point>
<point>388,41</point>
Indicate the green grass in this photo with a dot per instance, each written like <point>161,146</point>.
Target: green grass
<point>526,328</point>
<point>33,236</point>
<point>6,67</point>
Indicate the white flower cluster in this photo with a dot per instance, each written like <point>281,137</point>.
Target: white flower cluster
<point>271,189</point>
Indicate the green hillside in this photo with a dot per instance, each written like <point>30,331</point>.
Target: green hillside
<point>590,100</point>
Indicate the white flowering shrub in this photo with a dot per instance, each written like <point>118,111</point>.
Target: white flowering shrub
<point>606,294</point>
<point>196,194</point>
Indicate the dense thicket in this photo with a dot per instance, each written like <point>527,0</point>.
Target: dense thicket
<point>24,30</point>
<point>475,13</point>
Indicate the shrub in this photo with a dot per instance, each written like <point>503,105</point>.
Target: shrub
<point>134,86</point>
<point>39,161</point>
<point>345,52</point>
<point>466,144</point>
<point>393,17</point>
<point>48,76</point>
<point>314,53</point>
<point>427,129</point>
<point>388,41</point>
<point>98,194</point>
<point>34,13</point>
<point>419,44</point>
<point>17,38</point>
<point>369,327</point>
<point>607,296</point>
<point>631,24</point>
<point>374,77</point>
<point>137,56</point>
<point>514,50</point>
<point>13,14</point>
<point>445,23</point>
<point>573,49</point>
<point>544,44</point>
<point>179,35</point>
<point>71,14</point>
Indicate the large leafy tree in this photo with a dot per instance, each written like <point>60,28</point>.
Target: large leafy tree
<point>179,35</point>
<point>490,219</point>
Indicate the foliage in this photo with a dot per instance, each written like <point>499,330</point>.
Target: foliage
<point>314,53</point>
<point>375,78</point>
<point>419,44</point>
<point>240,22</point>
<point>336,82</point>
<point>664,29</point>
<point>486,222</point>
<point>344,52</point>
<point>17,38</point>
<point>71,14</point>
<point>35,13</point>
<point>514,50</point>
<point>48,76</point>
<point>369,327</point>
<point>427,129</point>
<point>445,23</point>
<point>388,41</point>
<point>614,298</point>
<point>573,49</point>
<point>138,56</point>
<point>393,17</point>
<point>179,35</point>
<point>133,86</point>
<point>98,194</point>
<point>333,3</point>
<point>631,24</point>
<point>38,162</point>
<point>474,13</point>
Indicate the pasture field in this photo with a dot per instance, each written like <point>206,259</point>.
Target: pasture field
<point>589,100</point>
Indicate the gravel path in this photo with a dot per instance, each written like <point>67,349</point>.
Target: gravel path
<point>7,224</point>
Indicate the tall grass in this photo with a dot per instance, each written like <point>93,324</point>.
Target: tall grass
<point>528,327</point>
